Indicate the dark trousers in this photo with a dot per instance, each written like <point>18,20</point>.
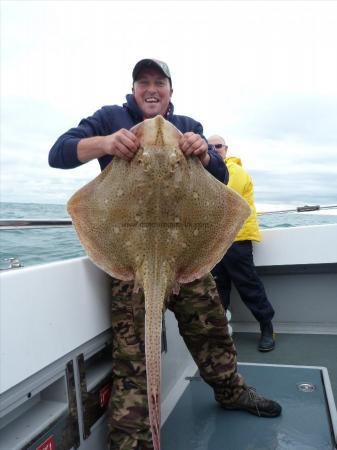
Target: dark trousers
<point>237,266</point>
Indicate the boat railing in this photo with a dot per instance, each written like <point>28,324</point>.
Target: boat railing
<point>10,224</point>
<point>25,224</point>
<point>299,209</point>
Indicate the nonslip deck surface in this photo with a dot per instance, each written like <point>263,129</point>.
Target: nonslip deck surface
<point>198,423</point>
<point>318,350</point>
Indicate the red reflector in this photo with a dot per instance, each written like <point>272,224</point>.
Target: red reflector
<point>49,444</point>
<point>104,395</point>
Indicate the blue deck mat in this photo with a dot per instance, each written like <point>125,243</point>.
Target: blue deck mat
<point>198,423</point>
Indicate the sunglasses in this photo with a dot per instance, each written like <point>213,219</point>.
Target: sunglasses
<point>218,146</point>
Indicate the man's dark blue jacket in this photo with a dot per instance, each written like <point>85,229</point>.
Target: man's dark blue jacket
<point>110,119</point>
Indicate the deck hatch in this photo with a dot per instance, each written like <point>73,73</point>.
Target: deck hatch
<point>306,421</point>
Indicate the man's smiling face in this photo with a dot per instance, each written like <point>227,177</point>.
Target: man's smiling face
<point>152,91</point>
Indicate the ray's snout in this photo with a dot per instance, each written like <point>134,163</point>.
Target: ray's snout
<point>157,132</point>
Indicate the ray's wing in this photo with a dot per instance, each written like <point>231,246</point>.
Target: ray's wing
<point>103,220</point>
<point>213,215</point>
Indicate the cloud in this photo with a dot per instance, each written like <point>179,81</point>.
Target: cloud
<point>300,118</point>
<point>262,74</point>
<point>30,128</point>
<point>307,188</point>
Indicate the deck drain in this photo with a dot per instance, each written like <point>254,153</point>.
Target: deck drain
<point>306,387</point>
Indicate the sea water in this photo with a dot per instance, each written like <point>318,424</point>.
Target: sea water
<point>41,245</point>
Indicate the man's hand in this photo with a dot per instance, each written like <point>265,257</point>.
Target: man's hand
<point>123,144</point>
<point>193,144</point>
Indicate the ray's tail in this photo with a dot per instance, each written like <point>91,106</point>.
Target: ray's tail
<point>156,283</point>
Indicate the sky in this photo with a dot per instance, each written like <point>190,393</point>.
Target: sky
<point>263,74</point>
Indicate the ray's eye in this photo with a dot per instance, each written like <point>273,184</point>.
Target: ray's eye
<point>174,160</point>
<point>144,160</point>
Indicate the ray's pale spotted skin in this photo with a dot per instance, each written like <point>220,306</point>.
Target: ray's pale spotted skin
<point>160,219</point>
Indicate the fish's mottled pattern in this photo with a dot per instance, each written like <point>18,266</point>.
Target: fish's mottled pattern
<point>159,187</point>
<point>203,326</point>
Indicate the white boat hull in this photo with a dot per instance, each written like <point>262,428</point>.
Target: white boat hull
<point>56,317</point>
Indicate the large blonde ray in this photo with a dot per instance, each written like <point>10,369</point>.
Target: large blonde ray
<point>160,219</point>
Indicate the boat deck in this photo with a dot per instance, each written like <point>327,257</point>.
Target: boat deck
<point>293,349</point>
<point>305,424</point>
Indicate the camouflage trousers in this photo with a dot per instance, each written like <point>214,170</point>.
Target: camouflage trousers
<point>203,326</point>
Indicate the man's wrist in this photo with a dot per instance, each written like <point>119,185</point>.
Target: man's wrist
<point>91,148</point>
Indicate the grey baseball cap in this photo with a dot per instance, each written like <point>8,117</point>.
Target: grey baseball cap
<point>148,63</point>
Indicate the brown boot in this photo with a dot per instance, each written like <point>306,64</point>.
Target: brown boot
<point>254,403</point>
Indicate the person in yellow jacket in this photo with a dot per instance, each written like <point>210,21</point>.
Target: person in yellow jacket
<point>237,265</point>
